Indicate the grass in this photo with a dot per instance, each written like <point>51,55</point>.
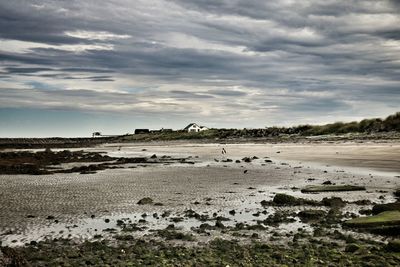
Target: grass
<point>367,126</point>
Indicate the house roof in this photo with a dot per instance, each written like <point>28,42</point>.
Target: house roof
<point>190,125</point>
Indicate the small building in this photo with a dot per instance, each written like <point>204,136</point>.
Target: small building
<point>142,131</point>
<point>96,134</point>
<point>194,128</point>
<point>166,130</point>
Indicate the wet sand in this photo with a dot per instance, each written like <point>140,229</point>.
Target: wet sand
<point>368,155</point>
<point>208,186</point>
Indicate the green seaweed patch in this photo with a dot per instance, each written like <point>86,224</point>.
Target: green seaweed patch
<point>386,218</point>
<point>331,188</point>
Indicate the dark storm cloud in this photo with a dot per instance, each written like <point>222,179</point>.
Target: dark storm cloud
<point>271,56</point>
<point>25,70</point>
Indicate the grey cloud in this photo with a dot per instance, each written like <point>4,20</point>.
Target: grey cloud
<point>189,95</point>
<point>17,70</point>
<point>226,92</point>
<point>344,48</point>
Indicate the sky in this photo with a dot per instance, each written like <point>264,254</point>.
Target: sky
<point>72,67</point>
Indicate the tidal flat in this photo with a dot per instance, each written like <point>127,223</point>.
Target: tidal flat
<point>181,203</point>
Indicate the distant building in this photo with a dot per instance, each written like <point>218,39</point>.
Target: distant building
<point>96,134</point>
<point>142,131</point>
<point>162,130</point>
<point>194,128</point>
<point>166,130</point>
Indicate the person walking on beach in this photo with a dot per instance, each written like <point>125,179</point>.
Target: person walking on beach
<point>223,151</point>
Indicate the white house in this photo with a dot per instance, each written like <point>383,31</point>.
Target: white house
<point>194,128</point>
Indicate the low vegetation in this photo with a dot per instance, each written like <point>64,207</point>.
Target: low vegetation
<point>368,126</point>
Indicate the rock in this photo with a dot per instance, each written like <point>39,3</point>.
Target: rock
<point>327,183</point>
<point>393,246</point>
<point>385,207</point>
<point>219,224</point>
<point>154,156</point>
<point>283,199</point>
<point>309,215</point>
<point>334,202</point>
<point>331,188</point>
<point>145,201</point>
<point>255,236</point>
<point>50,217</point>
<point>362,202</point>
<point>352,248</point>
<point>246,159</point>
<point>396,193</point>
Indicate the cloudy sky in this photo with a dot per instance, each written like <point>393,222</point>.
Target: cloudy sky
<point>71,67</point>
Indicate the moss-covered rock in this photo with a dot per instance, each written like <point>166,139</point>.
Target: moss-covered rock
<point>331,188</point>
<point>385,207</point>
<point>382,219</point>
